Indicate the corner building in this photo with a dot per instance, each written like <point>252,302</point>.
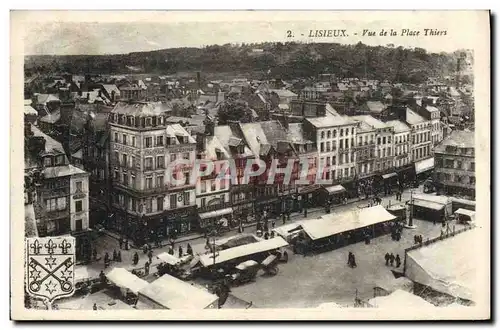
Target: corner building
<point>147,202</point>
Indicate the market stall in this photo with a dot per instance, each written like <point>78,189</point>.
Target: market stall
<point>465,216</point>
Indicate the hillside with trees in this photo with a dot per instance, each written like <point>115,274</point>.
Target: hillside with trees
<point>284,60</point>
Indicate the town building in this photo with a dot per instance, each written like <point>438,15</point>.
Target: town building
<point>401,143</point>
<point>151,198</point>
<point>455,165</point>
<point>213,196</point>
<point>61,200</point>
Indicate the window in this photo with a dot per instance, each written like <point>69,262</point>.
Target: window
<point>383,140</point>
<point>334,133</point>
<point>328,146</point>
<point>346,132</point>
<point>159,141</point>
<point>149,205</point>
<point>47,161</point>
<point>388,139</point>
<point>378,141</point>
<point>322,134</point>
<point>134,206</point>
<point>203,202</point>
<point>185,155</point>
<point>159,204</point>
<point>132,181</point>
<point>160,161</point>
<point>79,185</point>
<point>148,163</point>
<point>60,160</point>
<point>124,160</point>
<point>352,131</point>
<point>116,175</point>
<point>125,179</point>
<point>117,158</point>
<point>148,142</point>
<point>149,183</point>
<point>133,141</point>
<point>186,198</point>
<point>213,186</point>
<point>173,157</point>
<point>124,140</point>
<point>149,122</point>
<point>472,166</point>
<point>472,180</point>
<point>322,147</point>
<point>159,181</point>
<point>186,175</point>
<point>329,134</point>
<point>346,172</point>
<point>79,206</point>
<point>448,163</point>
<point>223,184</point>
<point>132,161</point>
<point>459,165</point>
<point>341,132</point>
<point>116,137</point>
<point>78,224</point>
<point>203,186</point>
<point>173,201</point>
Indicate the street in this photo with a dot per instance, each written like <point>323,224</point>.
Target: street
<point>303,281</point>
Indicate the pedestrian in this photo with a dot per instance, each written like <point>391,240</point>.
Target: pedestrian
<point>266,235</point>
<point>266,227</point>
<point>102,277</point>
<point>349,259</point>
<point>121,242</point>
<point>180,251</point>
<point>387,257</point>
<point>391,259</point>
<point>287,215</point>
<point>398,261</point>
<point>145,248</point>
<point>434,221</point>
<point>136,258</point>
<point>119,256</point>
<point>415,239</point>
<point>305,212</point>
<point>150,256</point>
<point>115,255</point>
<point>353,261</point>
<point>421,239</point>
<point>94,254</point>
<point>146,267</point>
<point>273,223</point>
<point>272,234</point>
<point>171,251</point>
<point>207,244</point>
<point>106,258</point>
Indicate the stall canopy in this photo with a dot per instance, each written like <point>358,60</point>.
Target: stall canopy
<point>448,265</point>
<point>428,205</point>
<point>335,189</point>
<point>424,165</point>
<point>332,224</point>
<point>172,293</point>
<point>398,299</point>
<point>309,188</point>
<point>169,259</point>
<point>217,213</point>
<point>286,230</point>
<point>389,175</point>
<point>470,214</point>
<point>242,251</point>
<point>125,279</point>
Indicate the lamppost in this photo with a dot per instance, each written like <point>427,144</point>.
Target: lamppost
<point>410,224</point>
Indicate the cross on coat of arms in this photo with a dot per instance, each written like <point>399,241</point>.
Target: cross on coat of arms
<point>50,263</point>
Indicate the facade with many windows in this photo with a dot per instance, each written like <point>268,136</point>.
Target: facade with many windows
<point>421,143</point>
<point>455,166</point>
<point>151,163</point>
<point>401,143</point>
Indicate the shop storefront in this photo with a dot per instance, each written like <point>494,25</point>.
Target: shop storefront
<point>180,221</point>
<point>423,169</point>
<point>334,194</point>
<point>214,218</point>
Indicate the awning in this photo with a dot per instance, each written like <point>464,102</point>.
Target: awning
<point>125,279</point>
<point>468,213</point>
<point>389,175</point>
<point>216,213</point>
<point>308,189</point>
<point>428,205</point>
<point>335,189</point>
<point>424,165</point>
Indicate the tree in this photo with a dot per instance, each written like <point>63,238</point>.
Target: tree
<point>236,110</point>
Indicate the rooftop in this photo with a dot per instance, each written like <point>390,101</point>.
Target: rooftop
<point>413,118</point>
<point>330,121</point>
<point>457,138</point>
<point>370,121</point>
<point>142,109</point>
<point>399,126</point>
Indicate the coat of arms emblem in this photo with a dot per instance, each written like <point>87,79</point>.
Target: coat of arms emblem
<point>49,267</point>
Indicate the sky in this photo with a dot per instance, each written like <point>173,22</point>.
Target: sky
<point>120,33</point>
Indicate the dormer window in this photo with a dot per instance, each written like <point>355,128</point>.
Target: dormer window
<point>132,121</point>
<point>47,161</point>
<point>115,119</point>
<point>148,121</point>
<point>60,160</point>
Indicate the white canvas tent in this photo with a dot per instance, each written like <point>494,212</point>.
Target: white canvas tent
<point>467,213</point>
<point>126,280</point>
<point>168,292</point>
<point>447,266</point>
<point>400,299</point>
<point>332,224</point>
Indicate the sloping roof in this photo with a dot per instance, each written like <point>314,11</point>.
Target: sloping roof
<point>332,224</point>
<point>50,143</point>
<point>447,265</point>
<point>457,138</point>
<point>375,106</point>
<point>295,133</point>
<point>173,293</point>
<point>228,136</point>
<point>369,120</point>
<point>111,88</point>
<point>398,125</point>
<point>283,92</point>
<point>177,130</point>
<point>45,98</point>
<point>243,250</point>
<point>330,121</point>
<point>430,108</point>
<point>213,145</point>
<point>52,118</point>
<point>141,108</point>
<point>125,279</point>
<point>28,110</point>
<point>413,118</point>
<point>60,171</point>
<point>263,133</point>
